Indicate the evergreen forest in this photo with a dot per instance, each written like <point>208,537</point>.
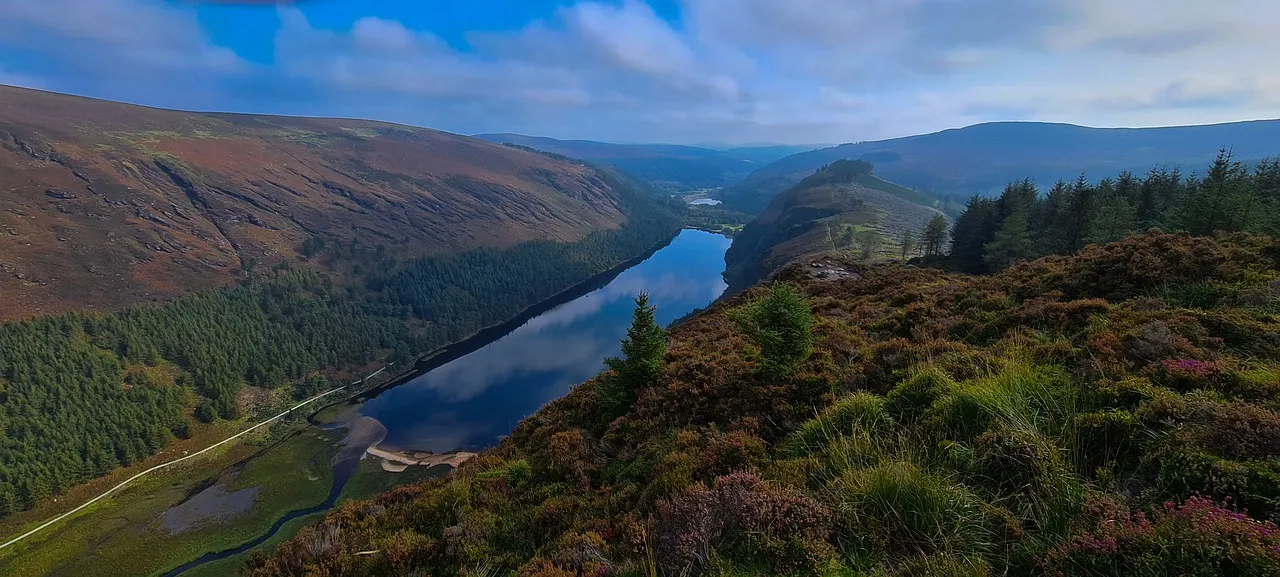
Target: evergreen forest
<point>84,393</point>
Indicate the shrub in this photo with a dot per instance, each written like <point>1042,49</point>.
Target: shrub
<point>780,526</point>
<point>1254,486</point>
<point>540,567</point>
<point>862,412</point>
<point>780,323</point>
<point>1187,374</point>
<point>907,401</point>
<point>1236,430</point>
<point>899,511</point>
<point>1197,538</point>
<point>581,552</point>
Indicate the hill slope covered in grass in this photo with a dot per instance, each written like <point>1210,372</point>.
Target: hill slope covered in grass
<point>1108,413</point>
<point>982,158</point>
<point>285,252</point>
<point>832,210</point>
<point>105,205</point>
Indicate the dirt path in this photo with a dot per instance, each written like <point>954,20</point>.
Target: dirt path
<point>181,459</point>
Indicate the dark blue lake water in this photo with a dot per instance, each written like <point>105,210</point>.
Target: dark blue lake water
<point>473,401</point>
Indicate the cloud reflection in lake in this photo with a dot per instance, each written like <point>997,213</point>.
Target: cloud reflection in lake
<point>471,402</point>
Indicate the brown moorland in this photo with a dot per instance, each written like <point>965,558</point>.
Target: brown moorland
<point>1070,416</point>
<point>104,205</point>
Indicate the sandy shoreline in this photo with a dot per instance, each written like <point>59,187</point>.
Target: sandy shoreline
<point>397,461</point>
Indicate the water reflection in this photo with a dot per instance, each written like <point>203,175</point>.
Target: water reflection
<point>471,402</point>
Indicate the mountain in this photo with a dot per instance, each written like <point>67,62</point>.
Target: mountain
<point>107,204</point>
<point>669,166</point>
<point>983,158</point>
<point>765,154</point>
<point>1074,416</point>
<point>831,210</point>
<point>286,253</point>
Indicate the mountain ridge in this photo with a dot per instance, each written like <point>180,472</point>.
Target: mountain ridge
<point>982,158</point>
<point>674,167</point>
<point>109,204</point>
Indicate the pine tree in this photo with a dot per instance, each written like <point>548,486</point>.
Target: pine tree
<point>1012,243</point>
<point>908,245</point>
<point>974,228</point>
<point>934,236</point>
<point>642,360</point>
<point>780,323</point>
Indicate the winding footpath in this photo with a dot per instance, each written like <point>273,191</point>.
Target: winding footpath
<point>181,459</point>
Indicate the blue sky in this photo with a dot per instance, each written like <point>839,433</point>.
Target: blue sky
<point>794,71</point>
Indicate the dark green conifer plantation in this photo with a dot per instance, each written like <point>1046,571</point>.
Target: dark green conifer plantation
<point>1229,198</point>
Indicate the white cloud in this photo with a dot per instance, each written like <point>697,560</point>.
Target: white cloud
<point>115,33</point>
<point>726,70</point>
<point>633,37</point>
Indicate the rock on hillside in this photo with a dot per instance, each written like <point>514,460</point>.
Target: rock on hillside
<point>104,205</point>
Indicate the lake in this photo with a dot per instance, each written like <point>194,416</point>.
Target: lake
<point>485,386</point>
<point>471,402</point>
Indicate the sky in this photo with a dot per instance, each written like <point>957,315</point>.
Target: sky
<point>680,71</point>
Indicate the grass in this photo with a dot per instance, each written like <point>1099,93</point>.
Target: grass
<point>232,565</point>
<point>369,480</point>
<point>121,535</point>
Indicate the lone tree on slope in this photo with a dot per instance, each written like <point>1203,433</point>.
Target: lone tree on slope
<point>642,360</point>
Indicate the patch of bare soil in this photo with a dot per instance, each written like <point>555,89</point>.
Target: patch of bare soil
<point>212,505</point>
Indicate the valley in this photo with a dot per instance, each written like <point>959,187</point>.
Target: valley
<point>890,358</point>
<point>464,397</point>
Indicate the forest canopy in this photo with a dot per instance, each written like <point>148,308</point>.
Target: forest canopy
<point>81,394</point>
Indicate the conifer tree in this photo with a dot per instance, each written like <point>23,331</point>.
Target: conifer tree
<point>974,229</point>
<point>934,236</point>
<point>1012,243</point>
<point>642,360</point>
<point>908,245</point>
<point>780,323</point>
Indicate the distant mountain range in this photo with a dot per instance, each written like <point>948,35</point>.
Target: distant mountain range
<point>672,167</point>
<point>981,159</point>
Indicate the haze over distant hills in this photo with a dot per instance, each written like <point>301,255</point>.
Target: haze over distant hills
<point>671,167</point>
<point>982,158</point>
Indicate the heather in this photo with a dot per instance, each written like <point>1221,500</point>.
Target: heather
<point>1113,412</point>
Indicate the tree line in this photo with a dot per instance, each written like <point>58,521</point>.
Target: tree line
<point>76,398</point>
<point>1021,224</point>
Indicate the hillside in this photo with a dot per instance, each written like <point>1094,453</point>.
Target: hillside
<point>983,158</point>
<point>286,253</point>
<point>831,210</point>
<point>107,205</point>
<point>763,154</point>
<point>670,167</point>
<point>1066,417</point>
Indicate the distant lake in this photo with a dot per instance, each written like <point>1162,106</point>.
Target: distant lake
<point>473,401</point>
<point>705,202</point>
